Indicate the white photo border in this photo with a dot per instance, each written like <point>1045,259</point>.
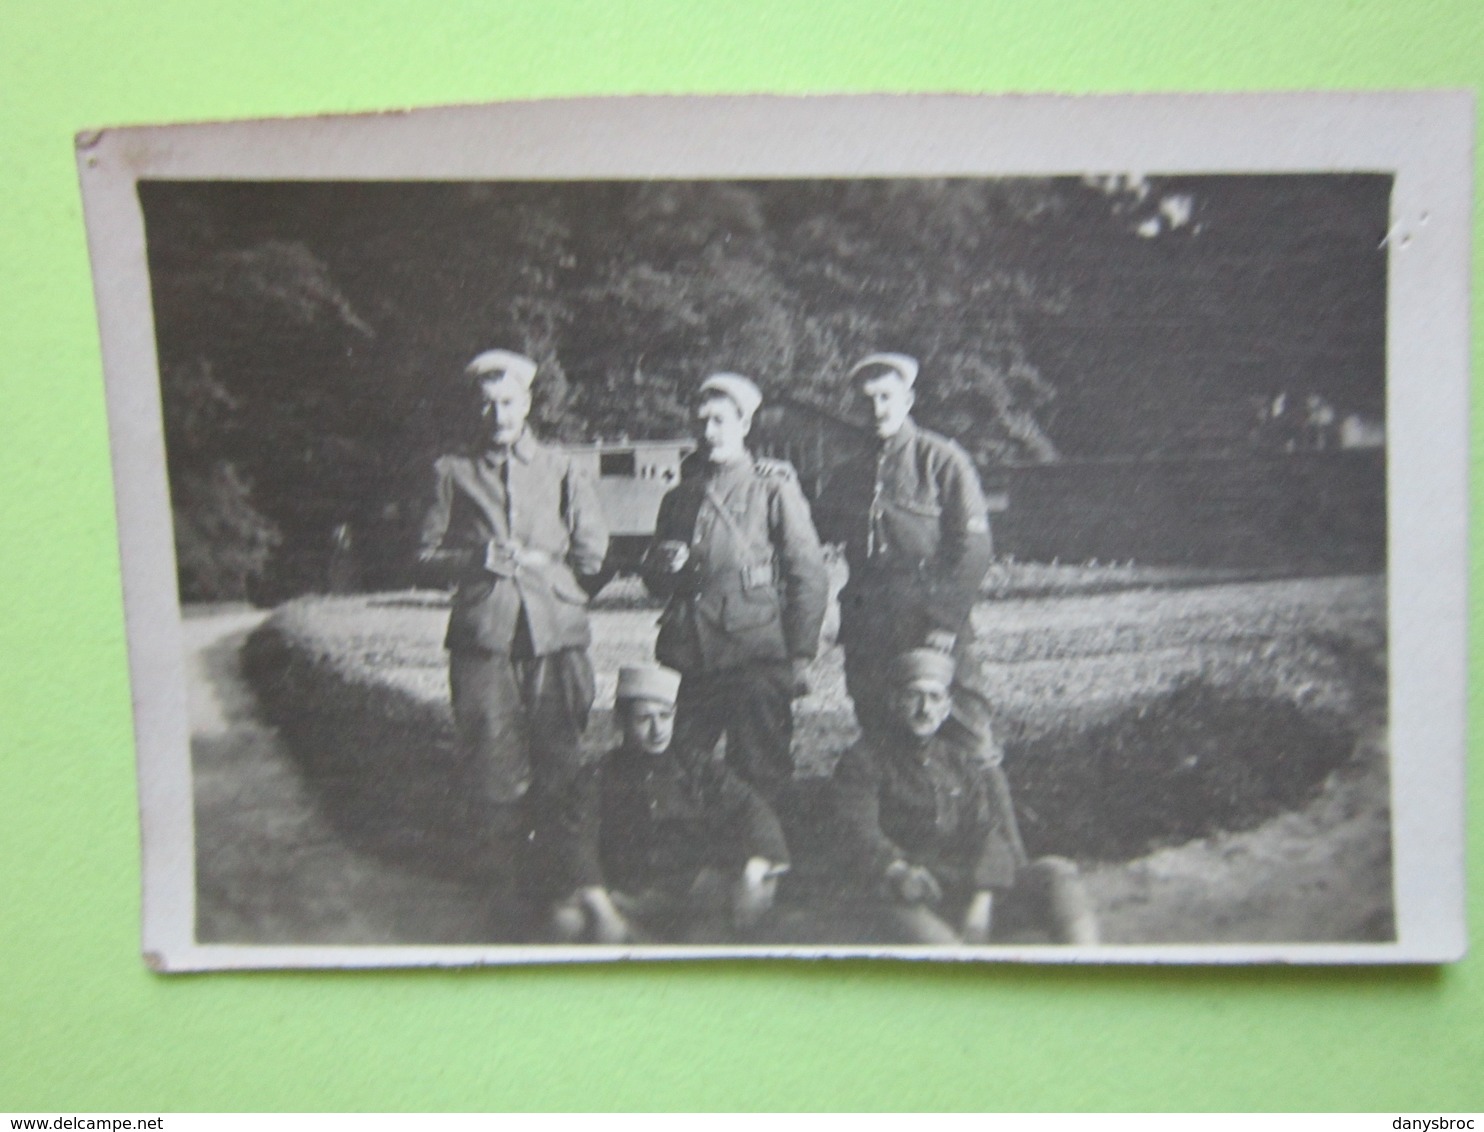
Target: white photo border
<point>1425,139</point>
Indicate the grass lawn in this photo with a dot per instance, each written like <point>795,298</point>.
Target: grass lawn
<point>1145,725</point>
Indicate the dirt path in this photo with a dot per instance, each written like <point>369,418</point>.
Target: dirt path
<point>270,867</point>
<point>1321,874</point>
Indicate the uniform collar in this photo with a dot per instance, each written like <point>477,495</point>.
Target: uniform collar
<point>901,438</point>
<point>726,473</point>
<point>523,449</point>
<point>904,747</point>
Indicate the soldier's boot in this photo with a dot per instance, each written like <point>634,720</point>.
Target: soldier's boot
<point>567,922</point>
<point>1072,918</point>
<point>915,924</point>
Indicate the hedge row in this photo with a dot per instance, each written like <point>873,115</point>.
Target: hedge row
<point>358,686</point>
<point>1128,721</point>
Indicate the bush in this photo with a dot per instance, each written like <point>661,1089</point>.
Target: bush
<point>1128,721</point>
<point>364,705</point>
<point>1197,760</point>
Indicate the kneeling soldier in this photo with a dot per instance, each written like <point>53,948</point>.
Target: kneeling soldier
<point>670,848</point>
<point>927,820</point>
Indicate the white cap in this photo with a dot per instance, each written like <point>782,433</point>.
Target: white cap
<point>741,391</point>
<point>903,366</point>
<point>648,682</point>
<point>496,364</point>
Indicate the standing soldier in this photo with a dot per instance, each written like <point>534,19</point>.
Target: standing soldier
<point>515,529</point>
<point>736,554</point>
<point>916,532</point>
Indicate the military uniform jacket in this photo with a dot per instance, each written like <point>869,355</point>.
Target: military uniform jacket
<point>542,515</point>
<point>916,532</point>
<point>755,586</point>
<point>651,823</point>
<point>934,805</point>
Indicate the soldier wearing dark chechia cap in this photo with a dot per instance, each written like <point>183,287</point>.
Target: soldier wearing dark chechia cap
<point>915,526</point>
<point>736,554</point>
<point>927,831</point>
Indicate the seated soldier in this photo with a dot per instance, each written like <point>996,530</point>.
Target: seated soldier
<point>669,851</point>
<point>927,822</point>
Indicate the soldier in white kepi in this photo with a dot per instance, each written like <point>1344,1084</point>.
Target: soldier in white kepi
<point>514,528</point>
<point>736,554</point>
<point>915,526</point>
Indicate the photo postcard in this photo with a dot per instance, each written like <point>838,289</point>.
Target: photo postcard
<point>922,527</point>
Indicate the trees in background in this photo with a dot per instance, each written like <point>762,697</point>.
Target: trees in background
<point>311,335</point>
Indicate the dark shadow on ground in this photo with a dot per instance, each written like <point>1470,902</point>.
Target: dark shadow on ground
<point>273,864</point>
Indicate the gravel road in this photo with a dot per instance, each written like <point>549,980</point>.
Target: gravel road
<point>270,867</point>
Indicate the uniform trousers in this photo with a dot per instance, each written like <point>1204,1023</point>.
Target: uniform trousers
<point>519,724</point>
<point>753,705</point>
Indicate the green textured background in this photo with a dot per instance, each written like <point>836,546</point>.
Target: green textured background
<point>84,1026</point>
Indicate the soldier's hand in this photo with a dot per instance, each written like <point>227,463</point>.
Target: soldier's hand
<point>530,556</point>
<point>800,677</point>
<point>504,558</point>
<point>756,889</point>
<point>568,920</point>
<point>913,883</point>
<point>499,558</point>
<point>672,555</point>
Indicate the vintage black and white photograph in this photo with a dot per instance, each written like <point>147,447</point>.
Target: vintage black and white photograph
<point>934,557</point>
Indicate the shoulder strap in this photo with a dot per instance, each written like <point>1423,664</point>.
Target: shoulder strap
<point>724,513</point>
<point>770,468</point>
